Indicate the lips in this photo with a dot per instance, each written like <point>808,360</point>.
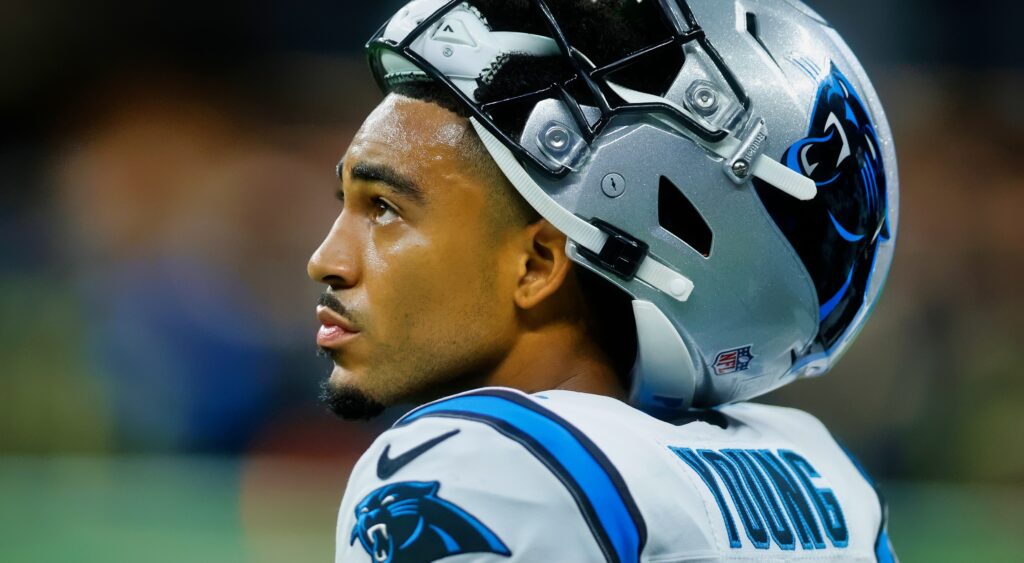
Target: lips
<point>335,330</point>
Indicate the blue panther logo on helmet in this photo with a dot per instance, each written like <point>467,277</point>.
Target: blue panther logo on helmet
<point>407,522</point>
<point>836,234</point>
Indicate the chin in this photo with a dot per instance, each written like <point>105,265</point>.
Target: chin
<point>344,379</point>
<point>349,400</point>
<point>341,377</point>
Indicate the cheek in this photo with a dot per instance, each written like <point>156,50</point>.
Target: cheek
<point>437,290</point>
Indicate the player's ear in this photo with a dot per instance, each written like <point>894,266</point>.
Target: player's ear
<point>543,264</point>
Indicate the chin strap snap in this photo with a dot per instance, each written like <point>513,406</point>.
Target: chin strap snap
<point>610,248</point>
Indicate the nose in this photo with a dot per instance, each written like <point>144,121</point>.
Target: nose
<point>336,262</point>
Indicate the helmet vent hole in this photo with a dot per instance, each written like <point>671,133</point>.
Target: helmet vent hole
<point>754,29</point>
<point>678,216</point>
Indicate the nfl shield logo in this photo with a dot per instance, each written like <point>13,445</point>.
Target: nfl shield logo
<point>732,361</point>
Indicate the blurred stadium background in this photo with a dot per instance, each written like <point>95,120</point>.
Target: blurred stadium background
<point>166,168</point>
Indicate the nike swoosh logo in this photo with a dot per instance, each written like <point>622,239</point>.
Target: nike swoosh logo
<point>388,466</point>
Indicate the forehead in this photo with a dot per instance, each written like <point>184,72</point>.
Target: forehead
<point>419,139</point>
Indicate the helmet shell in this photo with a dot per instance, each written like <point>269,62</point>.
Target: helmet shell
<point>764,310</point>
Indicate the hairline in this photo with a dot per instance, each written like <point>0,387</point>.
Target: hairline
<point>507,208</point>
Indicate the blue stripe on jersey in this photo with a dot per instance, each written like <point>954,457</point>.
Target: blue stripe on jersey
<point>883,549</point>
<point>586,472</point>
<point>883,545</point>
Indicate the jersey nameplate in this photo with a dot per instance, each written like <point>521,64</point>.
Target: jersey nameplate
<point>777,497</point>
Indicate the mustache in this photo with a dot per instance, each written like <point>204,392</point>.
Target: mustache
<point>327,299</point>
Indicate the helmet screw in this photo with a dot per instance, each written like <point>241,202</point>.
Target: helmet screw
<point>678,288</point>
<point>741,168</point>
<point>613,185</point>
<point>448,52</point>
<point>704,99</point>
<point>556,138</point>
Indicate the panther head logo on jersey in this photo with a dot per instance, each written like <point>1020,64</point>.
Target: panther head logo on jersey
<point>837,232</point>
<point>407,522</point>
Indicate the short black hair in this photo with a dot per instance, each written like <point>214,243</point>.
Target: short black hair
<point>508,206</point>
<point>434,93</point>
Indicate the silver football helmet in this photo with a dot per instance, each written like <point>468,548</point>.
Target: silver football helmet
<point>736,176</point>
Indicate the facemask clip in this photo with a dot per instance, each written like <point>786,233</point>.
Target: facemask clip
<point>740,166</point>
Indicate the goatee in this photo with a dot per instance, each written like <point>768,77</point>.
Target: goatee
<point>348,402</point>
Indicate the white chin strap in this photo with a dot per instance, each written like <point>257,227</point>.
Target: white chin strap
<point>582,233</point>
<point>770,171</point>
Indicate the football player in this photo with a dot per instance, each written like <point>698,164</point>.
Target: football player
<point>580,233</point>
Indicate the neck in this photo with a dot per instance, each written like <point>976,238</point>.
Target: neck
<point>558,356</point>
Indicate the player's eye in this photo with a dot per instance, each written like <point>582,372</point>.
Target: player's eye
<point>383,212</point>
<point>340,196</point>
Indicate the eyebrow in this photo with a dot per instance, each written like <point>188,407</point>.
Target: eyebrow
<point>384,174</point>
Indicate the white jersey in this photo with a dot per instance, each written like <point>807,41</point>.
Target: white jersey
<point>495,475</point>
